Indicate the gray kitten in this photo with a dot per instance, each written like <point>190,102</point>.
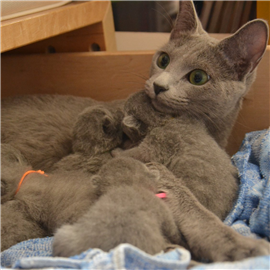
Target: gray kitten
<point>44,203</point>
<point>41,126</point>
<point>96,131</point>
<point>127,212</point>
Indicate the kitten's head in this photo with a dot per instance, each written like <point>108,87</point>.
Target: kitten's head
<point>97,130</point>
<point>196,74</point>
<point>124,171</point>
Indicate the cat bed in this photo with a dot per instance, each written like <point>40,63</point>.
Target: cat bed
<point>12,9</point>
<point>249,216</point>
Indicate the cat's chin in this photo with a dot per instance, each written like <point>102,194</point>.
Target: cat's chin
<point>163,108</point>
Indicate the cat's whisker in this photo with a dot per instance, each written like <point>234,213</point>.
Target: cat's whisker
<point>137,84</point>
<point>167,17</point>
<point>139,75</point>
<point>210,119</point>
<point>239,123</point>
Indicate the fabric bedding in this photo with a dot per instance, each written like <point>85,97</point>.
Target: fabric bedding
<point>249,216</point>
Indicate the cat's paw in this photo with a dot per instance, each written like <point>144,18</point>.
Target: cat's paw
<point>134,128</point>
<point>243,248</point>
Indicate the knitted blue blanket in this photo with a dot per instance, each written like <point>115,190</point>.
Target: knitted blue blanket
<point>250,217</point>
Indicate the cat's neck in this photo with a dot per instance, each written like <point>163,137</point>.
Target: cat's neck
<point>220,129</point>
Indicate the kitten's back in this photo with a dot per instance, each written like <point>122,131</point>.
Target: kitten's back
<point>40,126</point>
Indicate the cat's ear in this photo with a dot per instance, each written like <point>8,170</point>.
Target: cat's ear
<point>246,47</point>
<point>187,21</point>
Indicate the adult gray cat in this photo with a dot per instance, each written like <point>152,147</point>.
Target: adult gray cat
<point>41,126</point>
<point>198,178</point>
<point>199,83</point>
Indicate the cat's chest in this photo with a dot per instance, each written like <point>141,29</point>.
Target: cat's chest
<point>176,139</point>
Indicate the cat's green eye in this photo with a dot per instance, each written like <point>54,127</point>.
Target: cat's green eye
<point>198,77</point>
<point>163,60</point>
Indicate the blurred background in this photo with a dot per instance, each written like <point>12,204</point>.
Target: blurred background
<point>158,16</point>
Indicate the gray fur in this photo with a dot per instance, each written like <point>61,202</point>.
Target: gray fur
<point>96,131</point>
<point>184,146</point>
<point>127,212</point>
<point>41,126</point>
<point>230,63</point>
<point>205,234</point>
<point>185,127</point>
<point>44,203</point>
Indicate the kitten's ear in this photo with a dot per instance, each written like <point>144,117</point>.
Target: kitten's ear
<point>246,47</point>
<point>12,155</point>
<point>187,20</point>
<point>108,124</point>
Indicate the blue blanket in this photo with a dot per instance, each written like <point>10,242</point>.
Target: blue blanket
<point>249,216</point>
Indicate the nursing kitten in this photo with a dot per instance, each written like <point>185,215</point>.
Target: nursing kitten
<point>127,211</point>
<point>44,203</point>
<point>96,131</point>
<point>41,126</point>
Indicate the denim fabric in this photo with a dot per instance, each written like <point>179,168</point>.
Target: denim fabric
<point>251,213</point>
<point>249,216</point>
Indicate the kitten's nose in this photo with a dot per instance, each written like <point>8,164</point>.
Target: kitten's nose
<point>158,89</point>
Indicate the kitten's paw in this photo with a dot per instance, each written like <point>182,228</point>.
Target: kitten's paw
<point>244,248</point>
<point>117,152</point>
<point>64,242</point>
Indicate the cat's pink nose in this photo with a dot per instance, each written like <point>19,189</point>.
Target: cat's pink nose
<point>158,89</point>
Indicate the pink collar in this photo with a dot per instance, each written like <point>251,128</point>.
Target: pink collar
<point>161,195</point>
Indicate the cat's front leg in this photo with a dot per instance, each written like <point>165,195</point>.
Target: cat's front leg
<point>16,225</point>
<point>206,235</point>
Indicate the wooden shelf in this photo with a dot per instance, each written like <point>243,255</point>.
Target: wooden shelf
<point>42,25</point>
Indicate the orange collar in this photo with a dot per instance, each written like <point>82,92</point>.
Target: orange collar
<point>23,177</point>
